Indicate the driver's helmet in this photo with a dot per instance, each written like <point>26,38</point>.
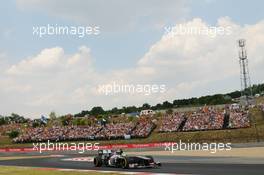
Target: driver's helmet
<point>119,152</point>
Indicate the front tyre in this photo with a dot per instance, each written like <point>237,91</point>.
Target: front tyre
<point>124,163</point>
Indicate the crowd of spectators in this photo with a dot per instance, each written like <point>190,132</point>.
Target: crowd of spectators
<point>115,131</point>
<point>4,129</point>
<point>171,123</point>
<point>143,128</point>
<point>239,119</point>
<point>96,132</point>
<point>208,120</point>
<point>57,133</point>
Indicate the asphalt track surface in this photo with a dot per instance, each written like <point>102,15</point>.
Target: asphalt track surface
<point>175,165</point>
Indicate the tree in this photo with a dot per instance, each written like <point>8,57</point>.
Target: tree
<point>82,114</point>
<point>2,120</point>
<point>17,118</point>
<point>64,120</point>
<point>167,105</point>
<point>36,123</point>
<point>129,109</point>
<point>114,110</point>
<point>146,106</point>
<point>76,121</point>
<point>83,122</point>
<point>98,110</point>
<point>53,119</point>
<point>52,115</point>
<point>13,134</point>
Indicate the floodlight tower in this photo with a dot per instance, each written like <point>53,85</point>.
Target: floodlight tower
<point>244,71</point>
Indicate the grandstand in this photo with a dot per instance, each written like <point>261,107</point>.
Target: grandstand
<point>141,129</point>
<point>171,123</point>
<point>203,119</point>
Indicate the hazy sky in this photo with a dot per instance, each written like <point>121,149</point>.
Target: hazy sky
<point>63,72</point>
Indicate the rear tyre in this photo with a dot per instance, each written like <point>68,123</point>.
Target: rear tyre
<point>98,162</point>
<point>124,163</point>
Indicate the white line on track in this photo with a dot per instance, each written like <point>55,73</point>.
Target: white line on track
<point>118,172</point>
<point>98,171</point>
<point>79,159</point>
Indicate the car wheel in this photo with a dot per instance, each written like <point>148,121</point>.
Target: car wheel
<point>98,162</point>
<point>124,163</point>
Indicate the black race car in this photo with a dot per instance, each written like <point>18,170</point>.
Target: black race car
<point>117,159</point>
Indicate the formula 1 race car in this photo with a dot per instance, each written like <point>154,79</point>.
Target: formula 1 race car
<point>117,159</point>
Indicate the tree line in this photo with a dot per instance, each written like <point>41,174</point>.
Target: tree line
<point>215,99</point>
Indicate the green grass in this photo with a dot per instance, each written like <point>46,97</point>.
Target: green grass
<point>5,142</point>
<point>260,100</point>
<point>252,134</point>
<point>23,157</point>
<point>8,170</point>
